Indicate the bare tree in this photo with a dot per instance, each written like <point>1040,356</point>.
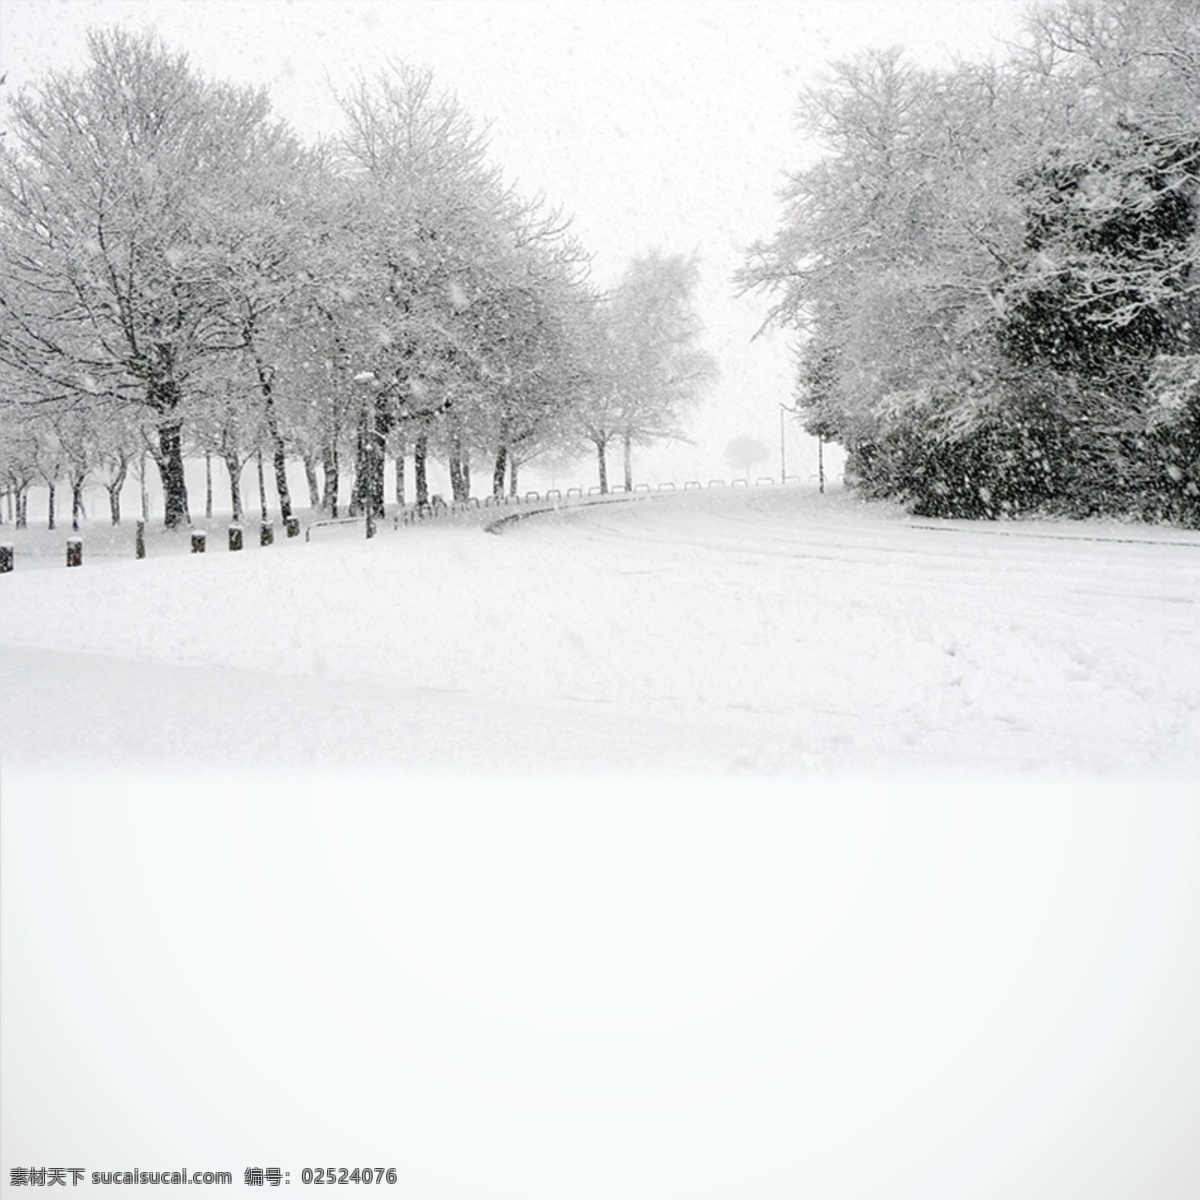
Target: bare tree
<point>107,282</point>
<point>662,369</point>
<point>744,453</point>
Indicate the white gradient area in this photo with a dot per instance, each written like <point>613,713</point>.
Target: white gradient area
<point>748,843</point>
<point>578,988</point>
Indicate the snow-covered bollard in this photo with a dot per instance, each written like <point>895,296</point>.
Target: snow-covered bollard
<point>6,559</point>
<point>74,552</point>
<point>235,537</point>
<point>139,541</point>
<point>292,525</point>
<point>266,534</point>
<point>199,538</point>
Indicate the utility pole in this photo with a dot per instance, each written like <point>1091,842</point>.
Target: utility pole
<point>783,408</point>
<point>782,456</point>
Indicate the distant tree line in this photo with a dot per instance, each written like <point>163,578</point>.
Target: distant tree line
<point>181,276</point>
<point>992,272</point>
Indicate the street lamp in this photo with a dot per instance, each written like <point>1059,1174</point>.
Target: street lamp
<point>783,408</point>
<point>782,455</point>
<point>820,450</point>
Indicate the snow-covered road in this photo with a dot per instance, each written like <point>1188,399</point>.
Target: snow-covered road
<point>754,630</point>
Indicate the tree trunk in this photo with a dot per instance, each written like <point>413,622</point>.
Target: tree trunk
<point>114,497</point>
<point>310,477</point>
<point>400,451</point>
<point>628,463</point>
<point>459,479</point>
<point>330,469</point>
<point>23,506</point>
<point>262,485</point>
<point>145,495</point>
<point>50,524</point>
<point>498,472</point>
<point>266,380</point>
<point>358,486</point>
<point>77,509</point>
<point>369,447</point>
<point>376,457</point>
<point>420,454</point>
<point>170,467</point>
<point>235,484</point>
<point>281,483</point>
<point>603,467</point>
<point>114,486</point>
<point>207,486</point>
<point>512,475</point>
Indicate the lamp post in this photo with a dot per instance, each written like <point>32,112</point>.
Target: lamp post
<point>782,455</point>
<point>820,450</point>
<point>783,408</point>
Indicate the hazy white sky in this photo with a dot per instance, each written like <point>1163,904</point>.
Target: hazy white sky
<point>656,124</point>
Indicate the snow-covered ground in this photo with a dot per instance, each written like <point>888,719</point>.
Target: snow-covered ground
<point>757,630</point>
<point>749,844</point>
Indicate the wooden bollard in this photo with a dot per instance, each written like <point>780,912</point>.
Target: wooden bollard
<point>235,537</point>
<point>266,534</point>
<point>6,559</point>
<point>140,540</point>
<point>292,525</point>
<point>199,538</point>
<point>74,552</point>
